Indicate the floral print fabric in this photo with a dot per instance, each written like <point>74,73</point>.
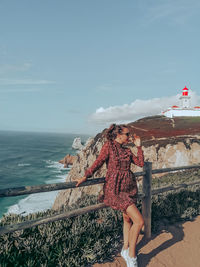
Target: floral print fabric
<point>120,188</point>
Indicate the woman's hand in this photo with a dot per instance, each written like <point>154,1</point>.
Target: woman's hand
<point>80,181</point>
<point>136,140</point>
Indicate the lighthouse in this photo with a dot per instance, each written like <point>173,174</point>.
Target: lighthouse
<point>184,109</point>
<point>185,99</point>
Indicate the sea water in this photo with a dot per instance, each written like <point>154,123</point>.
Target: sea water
<point>32,159</point>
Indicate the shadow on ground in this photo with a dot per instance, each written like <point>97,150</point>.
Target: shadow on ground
<point>177,234</point>
<point>167,247</point>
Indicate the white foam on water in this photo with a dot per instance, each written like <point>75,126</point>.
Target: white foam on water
<point>23,164</point>
<point>41,201</point>
<point>58,169</point>
<point>58,179</point>
<point>34,203</point>
<point>61,171</point>
<point>55,165</point>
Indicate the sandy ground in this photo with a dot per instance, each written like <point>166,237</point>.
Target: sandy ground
<point>177,245</point>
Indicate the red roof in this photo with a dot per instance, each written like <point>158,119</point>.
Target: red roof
<point>185,88</point>
<point>175,107</point>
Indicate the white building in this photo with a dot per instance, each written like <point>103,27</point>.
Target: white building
<point>184,109</point>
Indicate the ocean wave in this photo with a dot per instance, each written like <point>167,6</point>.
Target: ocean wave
<point>61,171</point>
<point>39,201</point>
<point>23,164</point>
<point>54,165</point>
<point>11,159</point>
<point>58,179</point>
<point>34,203</point>
<point>32,156</point>
<point>56,171</point>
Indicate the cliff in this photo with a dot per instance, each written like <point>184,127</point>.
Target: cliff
<point>166,142</point>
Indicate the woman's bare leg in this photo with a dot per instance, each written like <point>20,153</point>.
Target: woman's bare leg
<point>138,223</point>
<point>126,228</point>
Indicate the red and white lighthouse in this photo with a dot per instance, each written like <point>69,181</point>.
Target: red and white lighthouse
<point>184,109</point>
<point>185,99</point>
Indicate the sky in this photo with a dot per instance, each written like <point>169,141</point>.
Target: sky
<point>72,66</point>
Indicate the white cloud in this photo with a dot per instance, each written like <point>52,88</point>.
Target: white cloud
<point>4,68</point>
<point>24,82</point>
<point>137,109</point>
<point>176,12</point>
<point>21,90</point>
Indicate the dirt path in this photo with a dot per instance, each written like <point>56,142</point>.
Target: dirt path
<point>177,245</point>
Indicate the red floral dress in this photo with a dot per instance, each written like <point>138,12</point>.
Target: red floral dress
<point>120,187</point>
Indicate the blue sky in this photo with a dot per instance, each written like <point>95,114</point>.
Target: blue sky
<point>76,66</point>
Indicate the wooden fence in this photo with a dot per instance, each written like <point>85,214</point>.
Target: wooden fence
<point>146,194</point>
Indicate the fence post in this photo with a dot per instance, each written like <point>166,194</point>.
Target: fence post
<point>146,202</point>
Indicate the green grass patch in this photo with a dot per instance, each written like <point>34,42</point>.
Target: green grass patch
<point>175,178</point>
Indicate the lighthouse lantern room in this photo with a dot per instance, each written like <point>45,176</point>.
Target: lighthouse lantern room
<point>185,98</point>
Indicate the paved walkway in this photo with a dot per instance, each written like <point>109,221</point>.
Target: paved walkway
<point>176,246</point>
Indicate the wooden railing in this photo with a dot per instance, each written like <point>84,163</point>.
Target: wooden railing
<point>146,194</point>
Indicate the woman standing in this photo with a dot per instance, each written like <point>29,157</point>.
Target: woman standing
<point>120,188</point>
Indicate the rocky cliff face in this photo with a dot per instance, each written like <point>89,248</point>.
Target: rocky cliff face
<point>166,143</point>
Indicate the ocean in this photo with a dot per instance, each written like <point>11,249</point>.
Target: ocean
<point>32,159</point>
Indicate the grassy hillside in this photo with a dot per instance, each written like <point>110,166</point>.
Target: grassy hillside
<point>157,127</point>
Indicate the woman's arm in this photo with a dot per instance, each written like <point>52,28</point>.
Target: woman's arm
<point>103,155</point>
<point>139,160</point>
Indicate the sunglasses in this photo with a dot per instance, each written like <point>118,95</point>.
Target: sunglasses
<point>127,134</point>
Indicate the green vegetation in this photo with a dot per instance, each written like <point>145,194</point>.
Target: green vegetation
<point>176,177</point>
<point>93,237</point>
<point>191,119</point>
<point>78,241</point>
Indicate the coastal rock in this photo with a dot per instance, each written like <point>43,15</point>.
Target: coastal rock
<point>166,143</point>
<point>67,160</point>
<point>77,143</point>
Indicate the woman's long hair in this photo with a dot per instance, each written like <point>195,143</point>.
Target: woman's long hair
<point>113,130</point>
<point>111,134</point>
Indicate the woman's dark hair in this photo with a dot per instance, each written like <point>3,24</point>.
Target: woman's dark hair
<point>113,130</point>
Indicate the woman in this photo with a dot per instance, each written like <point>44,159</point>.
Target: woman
<point>120,188</point>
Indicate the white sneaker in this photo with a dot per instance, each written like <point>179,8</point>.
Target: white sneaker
<point>132,262</point>
<point>124,254</point>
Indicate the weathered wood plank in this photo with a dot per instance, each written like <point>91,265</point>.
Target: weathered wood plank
<point>7,192</point>
<point>175,169</point>
<point>146,202</point>
<point>24,190</point>
<point>173,187</point>
<point>28,224</point>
